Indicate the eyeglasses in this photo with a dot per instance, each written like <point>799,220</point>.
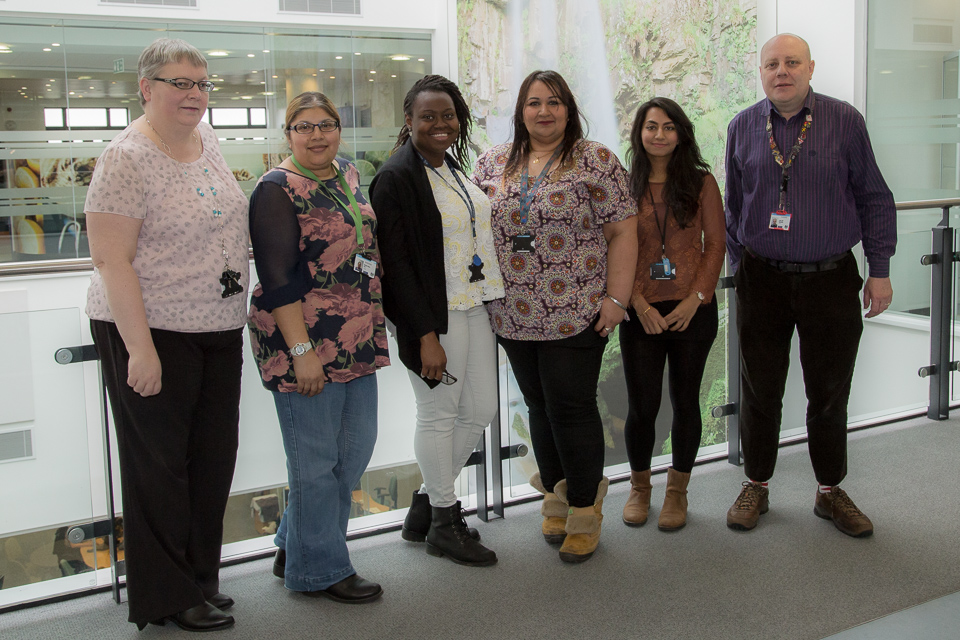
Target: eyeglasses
<point>447,379</point>
<point>186,84</point>
<point>305,128</point>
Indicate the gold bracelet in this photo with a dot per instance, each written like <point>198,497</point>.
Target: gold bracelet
<point>648,309</point>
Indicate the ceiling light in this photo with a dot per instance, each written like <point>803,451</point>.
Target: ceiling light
<point>266,50</point>
<point>419,59</point>
<point>251,55</point>
<point>372,71</point>
<point>217,53</point>
<point>274,77</point>
<point>333,77</point>
<point>339,57</point>
<point>400,58</point>
<point>357,53</point>
<point>393,75</point>
<point>246,97</point>
<point>55,44</point>
<point>266,93</point>
<point>321,71</point>
<point>886,72</point>
<point>371,79</point>
<point>47,49</point>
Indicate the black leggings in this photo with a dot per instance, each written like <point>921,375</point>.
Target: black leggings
<point>644,357</point>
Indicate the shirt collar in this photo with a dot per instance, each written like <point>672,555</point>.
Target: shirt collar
<point>767,106</point>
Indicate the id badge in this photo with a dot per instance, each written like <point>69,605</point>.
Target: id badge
<point>663,270</point>
<point>523,243</point>
<point>780,220</point>
<point>365,266</point>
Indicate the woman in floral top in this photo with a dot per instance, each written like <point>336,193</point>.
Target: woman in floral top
<point>317,330</point>
<point>565,230</point>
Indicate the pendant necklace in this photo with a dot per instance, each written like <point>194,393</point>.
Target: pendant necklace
<point>229,279</point>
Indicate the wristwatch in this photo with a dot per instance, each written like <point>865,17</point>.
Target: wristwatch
<point>700,295</point>
<point>300,348</point>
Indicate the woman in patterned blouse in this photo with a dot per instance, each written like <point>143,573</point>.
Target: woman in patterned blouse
<point>681,228</point>
<point>317,330</point>
<point>565,231</point>
<point>440,270</point>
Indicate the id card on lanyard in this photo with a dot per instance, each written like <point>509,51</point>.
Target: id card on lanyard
<point>525,242</point>
<point>780,219</point>
<point>366,266</point>
<point>476,264</point>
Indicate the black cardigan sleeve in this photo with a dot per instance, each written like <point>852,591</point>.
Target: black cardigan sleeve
<point>283,270</point>
<point>394,200</point>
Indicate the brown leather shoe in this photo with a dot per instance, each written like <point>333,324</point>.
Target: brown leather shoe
<point>638,501</point>
<point>673,515</point>
<point>753,501</point>
<point>838,506</point>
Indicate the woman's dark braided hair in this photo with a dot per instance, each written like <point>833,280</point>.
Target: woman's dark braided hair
<point>440,84</point>
<point>685,171</point>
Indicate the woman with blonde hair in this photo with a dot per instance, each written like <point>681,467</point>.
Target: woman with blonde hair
<point>168,238</point>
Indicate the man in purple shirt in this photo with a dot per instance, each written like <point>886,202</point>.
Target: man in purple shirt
<point>803,188</point>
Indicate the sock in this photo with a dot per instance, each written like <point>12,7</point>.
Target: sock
<point>824,488</point>
<point>762,484</point>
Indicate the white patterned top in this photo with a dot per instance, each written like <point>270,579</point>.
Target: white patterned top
<point>458,244</point>
<point>178,259</point>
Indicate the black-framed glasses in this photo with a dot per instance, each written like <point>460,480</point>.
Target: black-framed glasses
<point>186,84</point>
<point>306,128</point>
<point>447,379</point>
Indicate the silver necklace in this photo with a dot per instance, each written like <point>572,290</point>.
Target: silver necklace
<point>229,280</point>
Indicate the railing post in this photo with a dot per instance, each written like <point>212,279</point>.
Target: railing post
<point>732,409</point>
<point>941,307</point>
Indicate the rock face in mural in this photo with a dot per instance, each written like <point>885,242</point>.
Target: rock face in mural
<point>700,53</point>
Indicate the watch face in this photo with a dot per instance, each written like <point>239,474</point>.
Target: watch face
<point>299,349</point>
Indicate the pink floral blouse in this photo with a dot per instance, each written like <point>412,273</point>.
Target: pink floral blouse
<point>304,246</point>
<point>555,291</point>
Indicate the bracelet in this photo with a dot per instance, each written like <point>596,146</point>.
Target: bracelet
<point>647,309</point>
<point>617,302</point>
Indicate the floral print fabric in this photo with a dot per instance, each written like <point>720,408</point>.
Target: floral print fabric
<point>342,308</point>
<point>555,291</point>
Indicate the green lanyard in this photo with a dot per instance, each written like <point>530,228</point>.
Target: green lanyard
<point>352,207</point>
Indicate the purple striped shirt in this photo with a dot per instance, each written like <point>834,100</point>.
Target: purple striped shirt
<point>836,194</point>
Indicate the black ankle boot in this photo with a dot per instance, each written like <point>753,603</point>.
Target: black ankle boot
<point>417,522</point>
<point>448,537</point>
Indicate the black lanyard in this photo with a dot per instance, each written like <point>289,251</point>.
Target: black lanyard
<point>463,194</point>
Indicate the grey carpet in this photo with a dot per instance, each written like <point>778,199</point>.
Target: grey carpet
<point>795,576</point>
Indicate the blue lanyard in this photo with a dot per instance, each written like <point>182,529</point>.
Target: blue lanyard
<point>526,197</point>
<point>464,195</point>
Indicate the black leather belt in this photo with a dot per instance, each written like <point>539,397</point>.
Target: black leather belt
<point>826,264</point>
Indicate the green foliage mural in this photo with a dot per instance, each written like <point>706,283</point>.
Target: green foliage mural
<point>701,53</point>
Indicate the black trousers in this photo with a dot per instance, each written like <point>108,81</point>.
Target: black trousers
<point>825,309</point>
<point>558,380</point>
<point>178,450</point>
<point>644,356</point>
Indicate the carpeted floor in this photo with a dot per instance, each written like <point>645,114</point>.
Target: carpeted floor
<point>794,577</point>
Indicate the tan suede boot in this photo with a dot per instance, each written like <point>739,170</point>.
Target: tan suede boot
<point>583,525</point>
<point>554,513</point>
<point>638,501</point>
<point>673,516</point>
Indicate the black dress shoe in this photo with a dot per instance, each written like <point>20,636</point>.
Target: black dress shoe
<point>221,601</point>
<point>280,563</point>
<point>351,590</point>
<point>203,617</point>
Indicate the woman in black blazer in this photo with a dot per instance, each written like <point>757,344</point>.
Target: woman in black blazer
<point>439,268</point>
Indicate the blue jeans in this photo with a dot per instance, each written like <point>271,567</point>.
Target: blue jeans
<point>328,440</point>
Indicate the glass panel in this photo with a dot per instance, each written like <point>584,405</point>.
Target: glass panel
<point>911,111</point>
<point>229,117</point>
<point>44,458</point>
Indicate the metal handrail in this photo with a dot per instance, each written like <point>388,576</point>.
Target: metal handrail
<point>912,205</point>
